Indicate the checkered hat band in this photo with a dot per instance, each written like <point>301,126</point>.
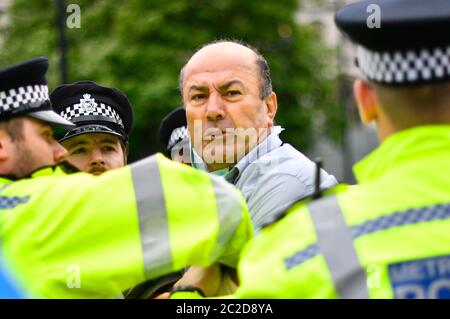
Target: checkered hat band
<point>77,110</point>
<point>409,67</point>
<point>15,98</point>
<point>177,134</point>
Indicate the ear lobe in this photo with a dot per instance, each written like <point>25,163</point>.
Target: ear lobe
<point>366,100</point>
<point>272,106</point>
<point>3,147</point>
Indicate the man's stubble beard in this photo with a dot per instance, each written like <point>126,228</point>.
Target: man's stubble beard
<point>26,161</point>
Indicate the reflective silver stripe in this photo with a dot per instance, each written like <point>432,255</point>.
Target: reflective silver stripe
<point>229,212</point>
<point>334,239</point>
<point>153,223</point>
<point>407,217</point>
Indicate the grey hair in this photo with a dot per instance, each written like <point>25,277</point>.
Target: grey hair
<point>261,62</point>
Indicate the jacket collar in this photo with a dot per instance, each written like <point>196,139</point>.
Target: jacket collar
<point>405,146</point>
<point>269,144</point>
<point>64,166</point>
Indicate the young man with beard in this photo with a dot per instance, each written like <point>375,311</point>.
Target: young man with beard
<point>104,119</point>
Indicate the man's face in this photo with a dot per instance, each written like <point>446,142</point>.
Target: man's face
<point>36,148</point>
<point>95,153</point>
<point>221,93</point>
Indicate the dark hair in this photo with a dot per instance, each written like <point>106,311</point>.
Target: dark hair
<point>125,150</point>
<point>263,66</point>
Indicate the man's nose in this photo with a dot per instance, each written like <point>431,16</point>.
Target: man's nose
<point>215,107</point>
<point>96,158</point>
<point>59,152</point>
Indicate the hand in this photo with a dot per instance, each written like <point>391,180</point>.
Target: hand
<point>208,279</point>
<point>165,295</point>
<point>228,283</point>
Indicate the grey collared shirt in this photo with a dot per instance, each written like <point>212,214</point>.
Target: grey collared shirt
<point>272,176</point>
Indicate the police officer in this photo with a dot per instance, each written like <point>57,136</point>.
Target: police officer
<point>173,134</point>
<point>389,237</point>
<point>104,119</point>
<point>81,235</point>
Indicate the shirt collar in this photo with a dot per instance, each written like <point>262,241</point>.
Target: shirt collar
<point>406,145</point>
<point>197,161</point>
<point>272,142</point>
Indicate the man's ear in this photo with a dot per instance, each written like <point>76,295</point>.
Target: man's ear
<point>272,106</point>
<point>367,101</point>
<point>4,138</point>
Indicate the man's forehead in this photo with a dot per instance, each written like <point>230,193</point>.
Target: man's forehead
<point>222,58</point>
<point>222,81</point>
<point>91,138</point>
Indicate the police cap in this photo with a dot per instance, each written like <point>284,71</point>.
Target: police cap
<point>400,42</point>
<point>94,109</point>
<point>24,91</point>
<point>173,128</point>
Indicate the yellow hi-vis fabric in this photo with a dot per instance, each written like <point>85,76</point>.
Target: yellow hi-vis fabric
<point>389,237</point>
<point>85,236</point>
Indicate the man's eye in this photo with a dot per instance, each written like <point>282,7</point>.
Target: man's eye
<point>108,149</point>
<point>233,93</point>
<point>48,135</point>
<point>198,97</point>
<point>78,151</point>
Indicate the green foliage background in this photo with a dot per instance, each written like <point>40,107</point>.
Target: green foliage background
<point>139,46</point>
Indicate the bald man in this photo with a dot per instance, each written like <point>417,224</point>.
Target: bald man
<point>230,109</point>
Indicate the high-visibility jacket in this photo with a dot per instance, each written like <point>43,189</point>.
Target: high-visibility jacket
<point>80,236</point>
<point>8,288</point>
<point>388,237</point>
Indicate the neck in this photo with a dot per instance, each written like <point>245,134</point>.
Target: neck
<point>218,166</point>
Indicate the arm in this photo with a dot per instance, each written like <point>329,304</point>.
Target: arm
<point>128,225</point>
<point>272,194</point>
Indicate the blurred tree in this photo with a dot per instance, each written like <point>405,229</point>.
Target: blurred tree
<point>139,47</point>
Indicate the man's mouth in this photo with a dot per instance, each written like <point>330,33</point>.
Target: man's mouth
<point>97,170</point>
<point>211,134</point>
